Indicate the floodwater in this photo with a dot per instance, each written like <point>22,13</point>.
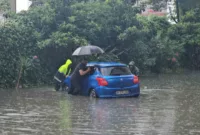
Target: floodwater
<point>168,105</point>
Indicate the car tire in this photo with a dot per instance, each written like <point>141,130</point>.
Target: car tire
<point>93,94</point>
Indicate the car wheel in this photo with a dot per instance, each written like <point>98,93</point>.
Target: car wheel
<point>93,94</point>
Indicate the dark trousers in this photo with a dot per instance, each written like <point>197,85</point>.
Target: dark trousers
<point>59,79</point>
<point>75,87</point>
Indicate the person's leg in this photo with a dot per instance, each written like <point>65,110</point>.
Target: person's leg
<point>71,89</point>
<point>63,83</point>
<point>57,85</point>
<point>58,80</point>
<point>63,86</point>
<point>77,88</point>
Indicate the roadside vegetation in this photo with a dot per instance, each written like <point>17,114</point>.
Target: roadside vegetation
<point>36,42</point>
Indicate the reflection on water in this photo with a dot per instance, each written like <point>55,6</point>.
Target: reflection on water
<point>168,105</point>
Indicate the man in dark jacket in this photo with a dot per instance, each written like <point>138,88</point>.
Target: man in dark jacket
<point>77,77</point>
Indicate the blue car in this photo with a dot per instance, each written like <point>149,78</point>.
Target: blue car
<point>109,79</point>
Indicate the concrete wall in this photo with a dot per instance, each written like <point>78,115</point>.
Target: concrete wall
<point>13,5</point>
<point>1,17</point>
<point>171,10</point>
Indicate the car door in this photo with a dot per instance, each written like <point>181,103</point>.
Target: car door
<point>89,79</point>
<point>85,83</point>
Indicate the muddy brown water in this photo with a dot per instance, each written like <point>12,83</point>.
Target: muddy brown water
<point>168,105</point>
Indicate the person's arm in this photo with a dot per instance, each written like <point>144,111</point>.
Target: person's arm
<point>69,70</point>
<point>82,72</point>
<point>137,71</point>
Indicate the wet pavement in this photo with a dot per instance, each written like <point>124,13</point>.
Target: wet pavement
<point>168,105</point>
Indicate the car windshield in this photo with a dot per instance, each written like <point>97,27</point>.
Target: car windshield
<point>114,71</point>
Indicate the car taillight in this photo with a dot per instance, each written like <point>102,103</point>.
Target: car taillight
<point>102,81</point>
<point>135,80</point>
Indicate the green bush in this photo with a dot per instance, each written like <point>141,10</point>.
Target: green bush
<point>55,29</point>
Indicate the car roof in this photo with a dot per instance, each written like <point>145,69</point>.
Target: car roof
<point>105,64</point>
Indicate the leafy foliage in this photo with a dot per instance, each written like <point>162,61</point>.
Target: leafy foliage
<point>158,4</point>
<point>13,46</point>
<point>53,29</point>
<point>4,5</point>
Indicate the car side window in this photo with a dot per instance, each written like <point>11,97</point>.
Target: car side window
<point>97,68</point>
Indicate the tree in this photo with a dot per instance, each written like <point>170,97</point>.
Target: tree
<point>16,41</point>
<point>192,16</point>
<point>4,5</point>
<point>53,30</point>
<point>158,4</point>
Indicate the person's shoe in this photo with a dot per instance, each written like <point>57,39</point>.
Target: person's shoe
<point>75,93</point>
<point>56,89</point>
<point>70,92</point>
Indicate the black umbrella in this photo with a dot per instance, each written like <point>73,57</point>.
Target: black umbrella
<point>87,50</point>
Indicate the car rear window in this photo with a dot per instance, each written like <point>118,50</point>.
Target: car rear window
<point>115,71</point>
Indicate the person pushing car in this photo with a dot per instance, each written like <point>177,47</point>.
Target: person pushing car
<point>77,77</point>
<point>134,69</point>
<point>63,72</point>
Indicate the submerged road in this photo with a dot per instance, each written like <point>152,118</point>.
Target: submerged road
<point>168,105</point>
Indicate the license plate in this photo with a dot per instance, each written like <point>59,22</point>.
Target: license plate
<point>122,92</point>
